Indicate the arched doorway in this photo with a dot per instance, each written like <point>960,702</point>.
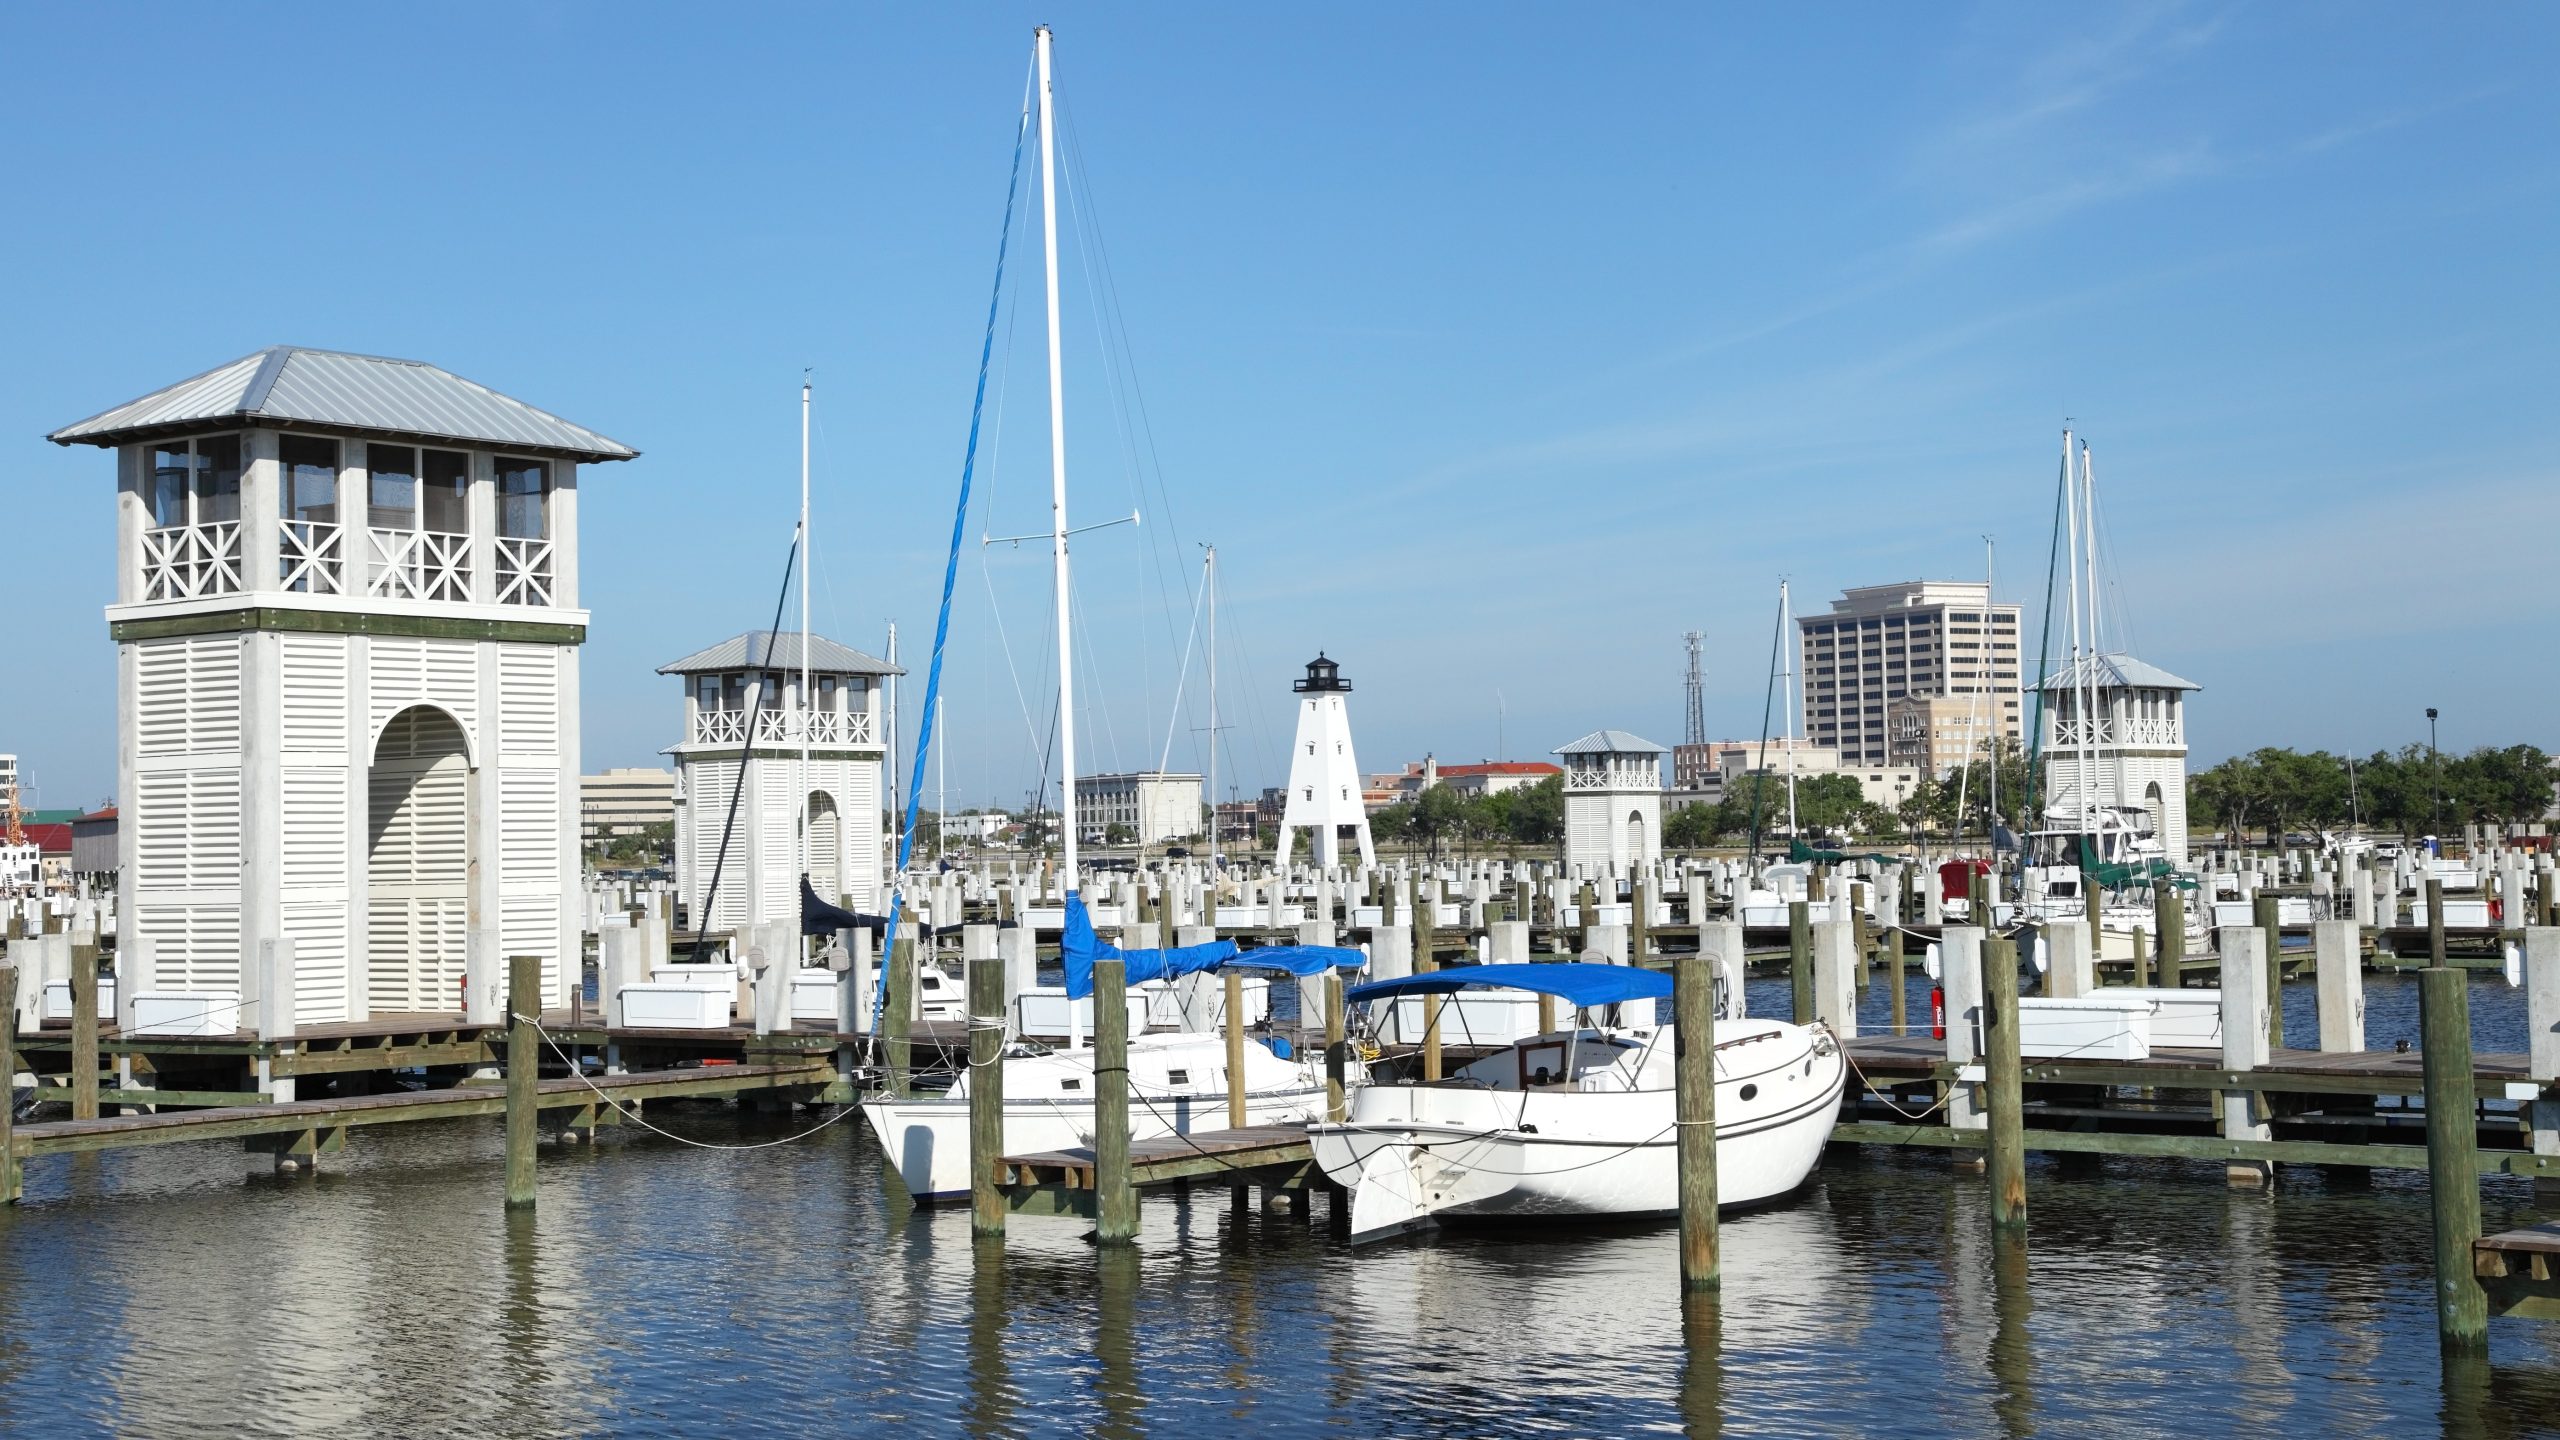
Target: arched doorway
<point>417,863</point>
<point>2159,808</point>
<point>826,847</point>
<point>1635,839</point>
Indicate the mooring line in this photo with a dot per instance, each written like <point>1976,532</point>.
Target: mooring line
<point>642,1121</point>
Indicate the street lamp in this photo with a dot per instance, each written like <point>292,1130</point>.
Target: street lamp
<point>2435,770</point>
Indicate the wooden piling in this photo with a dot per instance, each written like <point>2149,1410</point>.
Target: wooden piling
<point>1425,959</point>
<point>1693,1035</point>
<point>986,1093</point>
<point>897,1020</point>
<point>1234,982</point>
<point>2169,911</point>
<point>1116,1197</point>
<point>12,1184</point>
<point>2453,1165</point>
<point>1639,920</point>
<point>524,1074</point>
<point>2435,921</point>
<point>2006,1156</point>
<point>1800,961</point>
<point>2270,925</point>
<point>2141,956</point>
<point>84,1032</point>
<point>1336,1052</point>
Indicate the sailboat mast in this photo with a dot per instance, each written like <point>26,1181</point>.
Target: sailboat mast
<point>1795,728</point>
<point>2087,677</point>
<point>2071,543</point>
<point>1986,685</point>
<point>1057,472</point>
<point>1211,565</point>
<point>808,711</point>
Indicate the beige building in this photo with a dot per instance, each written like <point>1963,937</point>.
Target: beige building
<point>1934,734</point>
<point>1886,785</point>
<point>1155,805</point>
<point>1880,643</point>
<point>625,802</point>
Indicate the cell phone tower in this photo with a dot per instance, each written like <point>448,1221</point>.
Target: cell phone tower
<point>1694,732</point>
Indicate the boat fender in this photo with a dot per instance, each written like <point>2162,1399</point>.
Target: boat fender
<point>1929,960</point>
<point>2515,966</point>
<point>1937,1011</point>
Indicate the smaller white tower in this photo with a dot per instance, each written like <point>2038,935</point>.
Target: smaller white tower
<point>2129,770</point>
<point>823,809</point>
<point>1324,776</point>
<point>1612,802</point>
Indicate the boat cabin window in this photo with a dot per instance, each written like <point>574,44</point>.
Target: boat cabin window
<point>1071,1084</point>
<point>1177,1077</point>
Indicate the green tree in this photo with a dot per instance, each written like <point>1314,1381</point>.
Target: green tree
<point>1536,813</point>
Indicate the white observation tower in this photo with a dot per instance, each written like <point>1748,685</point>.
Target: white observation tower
<point>1324,775</point>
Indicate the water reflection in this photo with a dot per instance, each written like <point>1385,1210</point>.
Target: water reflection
<point>661,1289</point>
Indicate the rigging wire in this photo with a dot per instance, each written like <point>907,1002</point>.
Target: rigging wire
<point>951,563</point>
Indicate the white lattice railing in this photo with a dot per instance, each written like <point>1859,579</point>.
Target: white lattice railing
<point>524,572</point>
<point>827,727</point>
<point>419,565</point>
<point>1586,779</point>
<point>2116,732</point>
<point>183,562</point>
<point>308,558</point>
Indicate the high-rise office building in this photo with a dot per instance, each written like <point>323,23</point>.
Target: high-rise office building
<point>1880,643</point>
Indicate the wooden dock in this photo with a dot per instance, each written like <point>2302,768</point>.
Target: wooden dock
<point>2520,1270</point>
<point>1061,1182</point>
<point>2319,1106</point>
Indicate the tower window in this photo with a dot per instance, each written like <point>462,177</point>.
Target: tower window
<point>310,489</point>
<point>524,495</point>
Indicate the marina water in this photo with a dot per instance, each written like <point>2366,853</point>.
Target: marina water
<point>666,1289</point>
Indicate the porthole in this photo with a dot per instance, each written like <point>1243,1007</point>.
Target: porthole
<point>1750,1092</point>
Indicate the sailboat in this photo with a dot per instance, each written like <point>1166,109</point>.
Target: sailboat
<point>1581,1122</point>
<point>2113,849</point>
<point>1178,1081</point>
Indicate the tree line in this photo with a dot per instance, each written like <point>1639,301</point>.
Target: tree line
<point>2412,790</point>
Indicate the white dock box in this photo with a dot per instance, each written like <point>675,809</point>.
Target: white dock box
<point>813,995</point>
<point>1044,1010</point>
<point>662,1006</point>
<point>720,979</point>
<point>57,998</point>
<point>186,1012</point>
<point>2098,1027</point>
<point>2181,1019</point>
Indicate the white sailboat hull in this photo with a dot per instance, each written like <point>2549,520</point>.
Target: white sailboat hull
<point>1412,1155</point>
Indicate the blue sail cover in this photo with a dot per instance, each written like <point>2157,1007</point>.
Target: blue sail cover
<point>1079,947</point>
<point>1305,961</point>
<point>1584,985</point>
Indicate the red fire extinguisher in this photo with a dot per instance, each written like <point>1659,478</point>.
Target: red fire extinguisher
<point>1937,1012</point>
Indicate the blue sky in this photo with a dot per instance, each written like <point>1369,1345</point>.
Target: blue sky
<point>1493,346</point>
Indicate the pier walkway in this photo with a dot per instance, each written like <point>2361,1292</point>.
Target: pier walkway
<point>1061,1182</point>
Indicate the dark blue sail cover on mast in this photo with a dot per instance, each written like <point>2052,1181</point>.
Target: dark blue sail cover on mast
<point>1079,947</point>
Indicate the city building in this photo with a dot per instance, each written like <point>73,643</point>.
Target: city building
<point>347,626</point>
<point>974,828</point>
<point>1612,802</point>
<point>1886,785</point>
<point>1880,643</point>
<point>624,802</point>
<point>2133,760</point>
<point>1152,806</point>
<point>93,844</point>
<point>772,784</point>
<point>1487,777</point>
<point>1934,734</point>
<point>1241,821</point>
<point>1326,795</point>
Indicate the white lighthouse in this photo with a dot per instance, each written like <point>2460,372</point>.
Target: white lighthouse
<point>2126,773</point>
<point>1324,774</point>
<point>1612,802</point>
<point>347,634</point>
<point>812,767</point>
